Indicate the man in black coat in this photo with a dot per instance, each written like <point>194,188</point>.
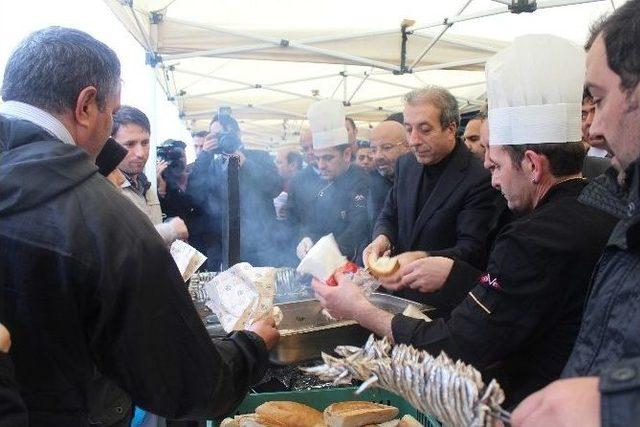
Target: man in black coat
<point>518,319</point>
<point>259,183</point>
<point>441,201</point>
<point>89,286</point>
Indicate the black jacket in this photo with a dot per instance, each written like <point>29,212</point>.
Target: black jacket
<point>454,221</point>
<point>378,191</point>
<point>519,321</point>
<point>88,284</point>
<point>595,166</point>
<point>13,413</point>
<point>608,344</point>
<point>259,184</point>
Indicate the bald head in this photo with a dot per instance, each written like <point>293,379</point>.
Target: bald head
<point>288,161</point>
<point>388,142</point>
<point>306,145</point>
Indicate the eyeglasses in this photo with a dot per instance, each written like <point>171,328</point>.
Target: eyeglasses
<point>385,147</point>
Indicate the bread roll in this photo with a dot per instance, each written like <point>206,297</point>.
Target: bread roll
<point>290,414</point>
<point>381,266</point>
<point>409,421</point>
<point>357,414</point>
<point>255,420</point>
<point>229,422</point>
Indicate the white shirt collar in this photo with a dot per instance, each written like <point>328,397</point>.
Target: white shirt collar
<point>22,111</point>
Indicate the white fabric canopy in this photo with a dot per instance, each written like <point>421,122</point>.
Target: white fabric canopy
<point>269,60</point>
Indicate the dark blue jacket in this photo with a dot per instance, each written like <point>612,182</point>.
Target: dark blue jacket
<point>608,344</point>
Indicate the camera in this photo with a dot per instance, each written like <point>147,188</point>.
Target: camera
<point>228,137</point>
<point>171,150</point>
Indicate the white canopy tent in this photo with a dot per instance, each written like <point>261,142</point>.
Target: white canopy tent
<point>269,60</point>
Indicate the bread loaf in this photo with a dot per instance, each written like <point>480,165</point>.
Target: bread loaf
<point>290,414</point>
<point>409,421</point>
<point>357,414</point>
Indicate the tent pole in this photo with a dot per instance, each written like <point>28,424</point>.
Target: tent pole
<point>447,25</point>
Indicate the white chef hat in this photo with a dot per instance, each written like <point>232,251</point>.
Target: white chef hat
<point>534,90</point>
<point>326,120</point>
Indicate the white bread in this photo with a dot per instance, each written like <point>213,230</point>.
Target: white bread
<point>229,422</point>
<point>381,266</point>
<point>255,420</point>
<point>290,414</point>
<point>357,414</point>
<point>409,421</point>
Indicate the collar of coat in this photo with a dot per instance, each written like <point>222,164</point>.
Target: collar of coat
<point>620,200</point>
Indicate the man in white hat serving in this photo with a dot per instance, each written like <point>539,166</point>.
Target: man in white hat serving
<point>520,317</point>
<point>340,205</point>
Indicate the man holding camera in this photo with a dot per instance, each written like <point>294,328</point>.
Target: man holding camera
<point>132,130</point>
<point>259,184</point>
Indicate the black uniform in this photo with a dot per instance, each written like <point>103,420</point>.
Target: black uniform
<point>520,319</point>
<point>340,207</point>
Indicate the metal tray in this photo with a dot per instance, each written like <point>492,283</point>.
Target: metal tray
<point>306,332</point>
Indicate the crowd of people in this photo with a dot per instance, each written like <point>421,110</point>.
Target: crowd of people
<point>519,230</point>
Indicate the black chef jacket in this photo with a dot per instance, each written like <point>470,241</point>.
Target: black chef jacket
<point>520,318</point>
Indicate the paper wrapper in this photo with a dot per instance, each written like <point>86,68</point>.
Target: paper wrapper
<point>323,259</point>
<point>187,258</point>
<point>241,295</point>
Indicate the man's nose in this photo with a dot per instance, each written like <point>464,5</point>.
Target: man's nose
<point>413,138</point>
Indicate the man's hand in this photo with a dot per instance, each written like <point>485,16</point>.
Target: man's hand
<point>210,142</point>
<point>180,228</point>
<point>303,247</point>
<point>162,184</point>
<point>266,329</point>
<point>563,403</point>
<point>379,246</point>
<point>394,281</point>
<point>426,274</point>
<point>343,301</point>
<point>5,339</point>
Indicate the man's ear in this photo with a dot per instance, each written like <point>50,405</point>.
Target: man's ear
<point>346,154</point>
<point>537,164</point>
<point>453,129</point>
<point>633,99</point>
<point>86,106</point>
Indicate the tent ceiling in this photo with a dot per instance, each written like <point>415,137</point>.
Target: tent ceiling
<point>269,60</point>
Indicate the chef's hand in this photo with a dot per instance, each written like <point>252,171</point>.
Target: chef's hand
<point>342,301</point>
<point>426,274</point>
<point>381,245</point>
<point>303,247</point>
<point>394,281</point>
<point>563,403</point>
<point>266,329</point>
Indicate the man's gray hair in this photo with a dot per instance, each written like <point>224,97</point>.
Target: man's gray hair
<point>439,97</point>
<point>50,68</point>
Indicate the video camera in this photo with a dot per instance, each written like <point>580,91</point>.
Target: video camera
<point>171,150</point>
<point>228,137</point>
